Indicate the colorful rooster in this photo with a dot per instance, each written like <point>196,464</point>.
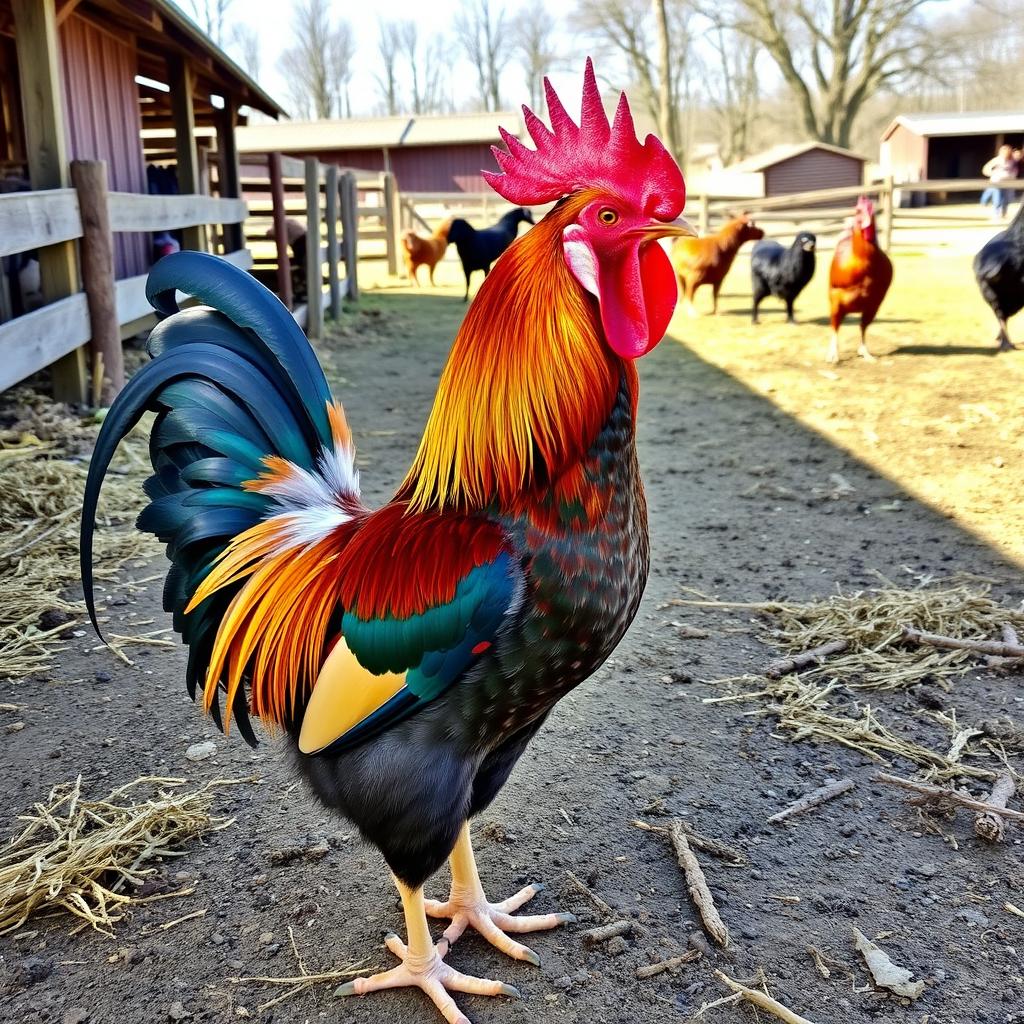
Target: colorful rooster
<point>858,279</point>
<point>411,653</point>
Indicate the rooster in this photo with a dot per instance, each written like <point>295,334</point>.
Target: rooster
<point>410,653</point>
<point>999,271</point>
<point>425,252</point>
<point>859,277</point>
<point>700,261</point>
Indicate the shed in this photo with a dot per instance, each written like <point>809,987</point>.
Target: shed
<point>426,153</point>
<point>79,79</point>
<point>940,147</point>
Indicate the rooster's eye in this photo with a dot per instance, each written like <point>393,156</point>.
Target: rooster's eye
<point>607,216</point>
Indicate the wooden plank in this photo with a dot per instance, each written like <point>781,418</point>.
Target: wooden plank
<point>350,233</point>
<point>30,220</point>
<point>182,83</point>
<point>97,250</point>
<point>284,263</point>
<point>132,212</point>
<point>391,233</point>
<point>334,284</point>
<point>314,265</point>
<point>38,48</point>
<point>241,258</point>
<point>229,174</point>
<point>34,341</point>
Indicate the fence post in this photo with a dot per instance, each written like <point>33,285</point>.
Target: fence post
<point>284,262</point>
<point>390,228</point>
<point>704,215</point>
<point>229,176</point>
<point>97,249</point>
<point>888,212</point>
<point>182,83</point>
<point>314,266</point>
<point>350,232</point>
<point>331,186</point>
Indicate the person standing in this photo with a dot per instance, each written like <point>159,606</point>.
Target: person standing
<point>1001,168</point>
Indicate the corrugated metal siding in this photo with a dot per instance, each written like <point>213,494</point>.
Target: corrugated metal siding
<point>817,168</point>
<point>103,122</point>
<point>448,168</point>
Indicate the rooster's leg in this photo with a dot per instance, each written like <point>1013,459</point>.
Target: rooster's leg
<point>468,906</point>
<point>863,350</point>
<point>423,965</point>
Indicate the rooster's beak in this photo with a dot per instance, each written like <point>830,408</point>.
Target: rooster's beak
<point>679,228</point>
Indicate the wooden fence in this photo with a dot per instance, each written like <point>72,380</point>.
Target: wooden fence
<point>826,209</point>
<point>97,313</point>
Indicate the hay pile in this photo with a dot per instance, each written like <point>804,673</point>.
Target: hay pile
<point>824,699</point>
<point>44,454</point>
<point>80,856</point>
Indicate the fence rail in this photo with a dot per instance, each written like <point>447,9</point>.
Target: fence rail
<point>94,314</point>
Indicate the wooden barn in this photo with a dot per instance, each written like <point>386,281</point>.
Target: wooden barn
<point>945,147</point>
<point>428,154</point>
<point>79,81</point>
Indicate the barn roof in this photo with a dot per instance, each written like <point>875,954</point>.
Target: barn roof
<point>786,151</point>
<point>377,132</point>
<point>961,123</point>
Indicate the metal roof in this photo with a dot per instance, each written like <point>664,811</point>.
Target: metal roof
<point>377,132</point>
<point>961,123</point>
<point>786,151</point>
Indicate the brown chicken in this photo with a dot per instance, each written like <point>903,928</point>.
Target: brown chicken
<point>425,252</point>
<point>859,277</point>
<point>707,260</point>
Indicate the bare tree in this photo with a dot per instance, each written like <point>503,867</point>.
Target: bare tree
<point>633,30</point>
<point>244,44</point>
<point>317,66</point>
<point>835,54</point>
<point>389,43</point>
<point>210,15</point>
<point>732,87</point>
<point>533,32</point>
<point>482,32</point>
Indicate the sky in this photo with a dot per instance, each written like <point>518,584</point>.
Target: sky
<point>271,20</point>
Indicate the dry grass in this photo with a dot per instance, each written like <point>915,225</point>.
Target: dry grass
<point>43,465</point>
<point>816,702</point>
<point>79,856</point>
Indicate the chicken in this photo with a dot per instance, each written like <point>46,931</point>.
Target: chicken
<point>783,273</point>
<point>478,249</point>
<point>700,261</point>
<point>999,271</point>
<point>859,277</point>
<point>425,252</point>
<point>410,653</point>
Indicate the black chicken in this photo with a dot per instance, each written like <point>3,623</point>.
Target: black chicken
<point>479,248</point>
<point>781,272</point>
<point>999,271</point>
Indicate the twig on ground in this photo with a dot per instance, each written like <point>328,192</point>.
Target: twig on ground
<point>784,666</point>
<point>987,824</point>
<point>1012,909</point>
<point>697,885</point>
<point>940,793</point>
<point>818,796</point>
<point>590,894</point>
<point>762,1000</point>
<point>605,932</point>
<point>167,925</point>
<point>651,970</point>
<point>999,648</point>
<point>703,842</point>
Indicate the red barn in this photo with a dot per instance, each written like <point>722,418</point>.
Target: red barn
<point>426,153</point>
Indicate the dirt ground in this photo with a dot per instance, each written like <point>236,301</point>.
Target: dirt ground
<point>741,432</point>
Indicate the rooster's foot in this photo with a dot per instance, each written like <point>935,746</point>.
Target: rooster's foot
<point>494,920</point>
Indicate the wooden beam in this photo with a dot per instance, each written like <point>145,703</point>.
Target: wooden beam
<point>314,264</point>
<point>182,83</point>
<point>134,212</point>
<point>65,8</point>
<point>229,175</point>
<point>350,233</point>
<point>35,24</point>
<point>90,179</point>
<point>284,262</point>
<point>331,186</point>
<point>390,190</point>
<point>38,339</point>
<point>31,220</point>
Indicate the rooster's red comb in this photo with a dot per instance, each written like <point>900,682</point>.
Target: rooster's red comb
<point>594,153</point>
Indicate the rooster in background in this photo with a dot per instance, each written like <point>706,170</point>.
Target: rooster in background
<point>425,252</point>
<point>859,277</point>
<point>411,653</point>
<point>478,248</point>
<point>999,271</point>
